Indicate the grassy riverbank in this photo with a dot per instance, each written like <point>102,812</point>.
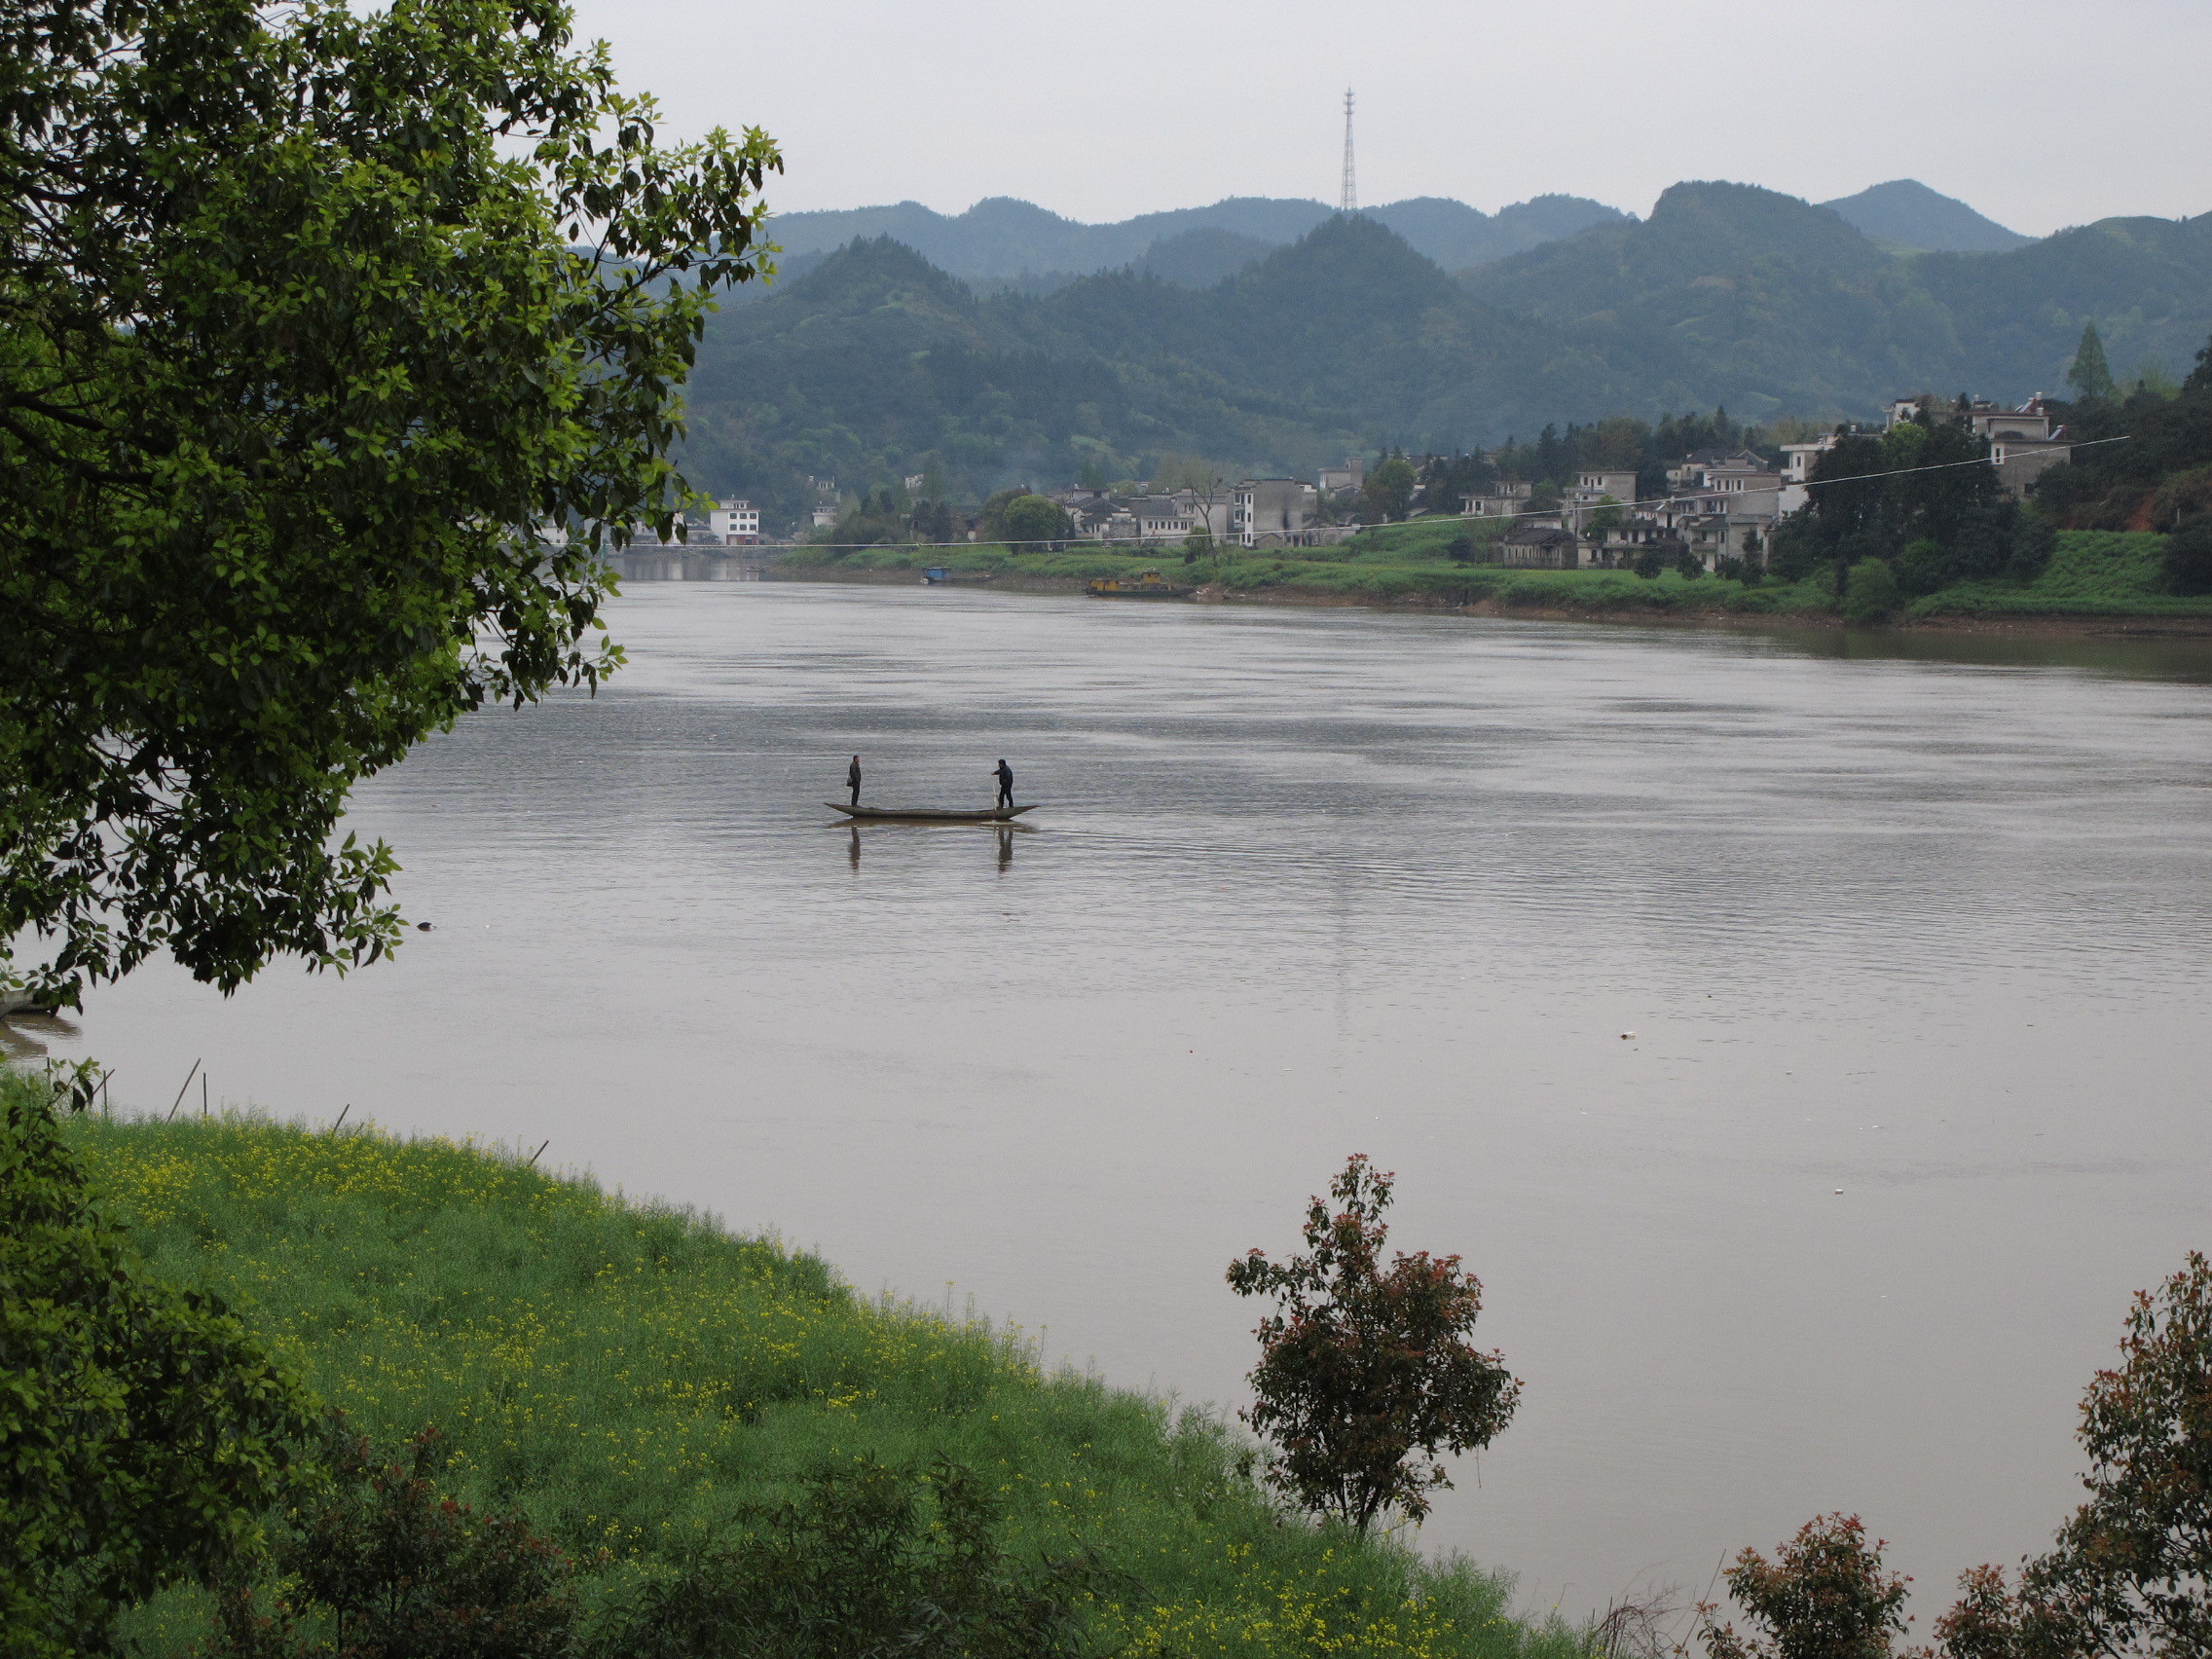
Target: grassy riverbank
<point>2095,575</point>
<point>634,1377</point>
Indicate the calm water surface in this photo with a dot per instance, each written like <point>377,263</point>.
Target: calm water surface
<point>1912,947</point>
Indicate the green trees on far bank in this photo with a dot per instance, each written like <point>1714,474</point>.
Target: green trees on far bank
<point>1923,501</point>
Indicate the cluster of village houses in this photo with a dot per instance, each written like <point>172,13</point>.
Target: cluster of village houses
<point>1718,504</point>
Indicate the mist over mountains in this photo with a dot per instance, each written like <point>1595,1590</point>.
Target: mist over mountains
<point>1350,335</point>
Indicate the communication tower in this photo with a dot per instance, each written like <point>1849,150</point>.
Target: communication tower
<point>1350,200</point>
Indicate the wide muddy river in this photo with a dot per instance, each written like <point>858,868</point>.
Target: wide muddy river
<point>1804,1037</point>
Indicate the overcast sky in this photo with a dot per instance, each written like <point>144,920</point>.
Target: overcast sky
<point>2040,113</point>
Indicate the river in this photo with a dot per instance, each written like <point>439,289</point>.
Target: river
<point>1803,1037</point>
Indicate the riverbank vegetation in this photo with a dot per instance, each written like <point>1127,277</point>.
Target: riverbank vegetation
<point>1436,563</point>
<point>667,1407</point>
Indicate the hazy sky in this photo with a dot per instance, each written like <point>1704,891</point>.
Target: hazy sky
<point>2041,113</point>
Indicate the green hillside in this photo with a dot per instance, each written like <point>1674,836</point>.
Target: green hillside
<point>873,362</point>
<point>637,1381</point>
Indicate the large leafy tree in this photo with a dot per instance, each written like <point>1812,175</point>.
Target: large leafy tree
<point>308,315</point>
<point>1368,1370</point>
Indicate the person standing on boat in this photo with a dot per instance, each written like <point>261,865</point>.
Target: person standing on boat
<point>1004,775</point>
<point>853,779</point>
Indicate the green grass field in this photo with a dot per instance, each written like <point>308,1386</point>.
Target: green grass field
<point>631,1376</point>
<point>2092,573</point>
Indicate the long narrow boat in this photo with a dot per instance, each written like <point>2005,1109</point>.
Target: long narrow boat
<point>934,814</point>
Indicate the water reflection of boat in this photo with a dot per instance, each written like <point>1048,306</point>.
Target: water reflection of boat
<point>934,814</point>
<point>1150,585</point>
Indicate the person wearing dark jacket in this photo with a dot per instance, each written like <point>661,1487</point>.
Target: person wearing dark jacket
<point>1004,775</point>
<point>853,779</point>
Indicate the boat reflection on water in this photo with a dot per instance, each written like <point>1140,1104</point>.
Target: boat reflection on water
<point>1004,832</point>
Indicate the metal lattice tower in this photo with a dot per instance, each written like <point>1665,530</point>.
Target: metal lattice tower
<point>1350,200</point>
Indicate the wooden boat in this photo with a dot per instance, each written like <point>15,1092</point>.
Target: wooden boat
<point>1150,585</point>
<point>934,814</point>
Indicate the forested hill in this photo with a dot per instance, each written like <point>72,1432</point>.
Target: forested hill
<point>1772,304</point>
<point>875,360</point>
<point>1906,215</point>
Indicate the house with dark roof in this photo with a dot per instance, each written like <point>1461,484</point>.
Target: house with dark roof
<point>1540,547</point>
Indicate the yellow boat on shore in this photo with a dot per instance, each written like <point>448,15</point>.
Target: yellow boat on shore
<point>1150,585</point>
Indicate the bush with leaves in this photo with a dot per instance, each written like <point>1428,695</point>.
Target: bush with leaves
<point>869,1559</point>
<point>1366,1371</point>
<point>1872,595</point>
<point>1034,521</point>
<point>1825,1596</point>
<point>386,1566</point>
<point>142,1432</point>
<point>2187,561</point>
<point>2132,1572</point>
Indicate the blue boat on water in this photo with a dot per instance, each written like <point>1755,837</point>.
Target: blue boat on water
<point>945,576</point>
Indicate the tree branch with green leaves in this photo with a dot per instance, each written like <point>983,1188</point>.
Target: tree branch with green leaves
<point>311,322</point>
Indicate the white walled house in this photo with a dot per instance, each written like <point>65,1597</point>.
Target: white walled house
<point>736,521</point>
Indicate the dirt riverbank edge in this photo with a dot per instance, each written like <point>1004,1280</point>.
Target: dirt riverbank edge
<point>2049,626</point>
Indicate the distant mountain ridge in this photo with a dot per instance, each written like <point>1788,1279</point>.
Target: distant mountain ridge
<point>1350,338</point>
<point>1905,213</point>
<point>1001,238</point>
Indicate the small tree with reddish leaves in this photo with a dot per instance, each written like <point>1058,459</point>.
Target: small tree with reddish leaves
<point>1366,1372</point>
<point>384,1566</point>
<point>1825,1596</point>
<point>2132,1572</point>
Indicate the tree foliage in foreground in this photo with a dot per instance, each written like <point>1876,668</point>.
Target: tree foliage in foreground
<point>296,340</point>
<point>382,1564</point>
<point>868,1560</point>
<point>1367,1372</point>
<point>142,1433</point>
<point>2131,1570</point>
<point>2129,1575</point>
<point>1825,1596</point>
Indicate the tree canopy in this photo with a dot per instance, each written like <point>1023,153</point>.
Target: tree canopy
<point>1366,1371</point>
<point>307,318</point>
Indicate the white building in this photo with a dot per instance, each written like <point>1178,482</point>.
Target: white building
<point>736,520</point>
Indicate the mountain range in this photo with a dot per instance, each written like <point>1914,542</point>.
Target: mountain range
<point>1349,336</point>
<point>1003,239</point>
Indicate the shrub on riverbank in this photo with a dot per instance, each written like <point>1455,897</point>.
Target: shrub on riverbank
<point>638,1382</point>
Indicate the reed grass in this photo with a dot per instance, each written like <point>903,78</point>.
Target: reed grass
<point>632,1376</point>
